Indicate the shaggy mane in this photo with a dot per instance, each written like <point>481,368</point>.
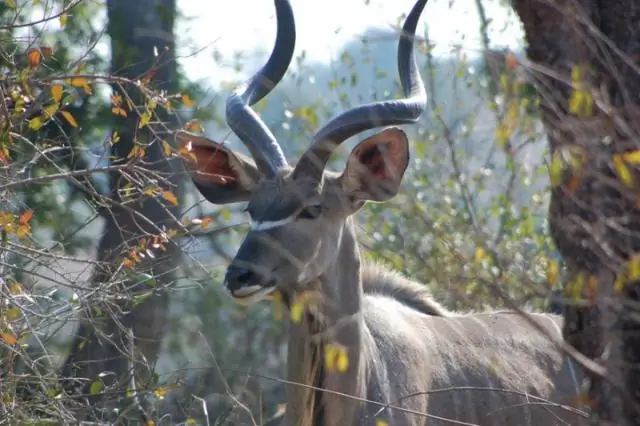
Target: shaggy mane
<point>376,279</point>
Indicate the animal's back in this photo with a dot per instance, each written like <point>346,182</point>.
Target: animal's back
<point>509,369</point>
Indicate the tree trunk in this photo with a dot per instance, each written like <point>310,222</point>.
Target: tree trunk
<point>139,30</point>
<point>584,62</point>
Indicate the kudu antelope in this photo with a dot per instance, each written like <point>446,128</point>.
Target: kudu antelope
<point>404,349</point>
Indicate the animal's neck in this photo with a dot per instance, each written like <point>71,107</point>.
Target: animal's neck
<point>338,321</point>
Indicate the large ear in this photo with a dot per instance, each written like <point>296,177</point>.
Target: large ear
<point>221,175</point>
<point>376,166</point>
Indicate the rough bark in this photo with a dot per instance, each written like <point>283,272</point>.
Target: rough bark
<point>594,217</point>
<point>102,345</point>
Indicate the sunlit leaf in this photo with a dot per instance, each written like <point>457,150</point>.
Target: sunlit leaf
<point>556,169</point>
<point>34,57</point>
<point>633,268</point>
<point>79,82</point>
<point>511,61</point>
<point>170,197</point>
<point>166,149</point>
<point>194,126</point>
<point>480,254</point>
<point>297,309</point>
<point>11,4</point>
<point>623,171</point>
<point>50,110</point>
<point>67,115</point>
<point>96,387</point>
<point>160,393</point>
<point>336,357</point>
<point>12,313</point>
<point>145,117</point>
<point>63,20</point>
<point>25,217</point>
<point>553,271</point>
<point>56,91</point>
<point>632,157</point>
<point>36,123</point>
<point>581,103</point>
<point>187,101</point>
<point>8,338</point>
<point>276,299</point>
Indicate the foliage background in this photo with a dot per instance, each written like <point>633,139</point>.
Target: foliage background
<point>470,221</point>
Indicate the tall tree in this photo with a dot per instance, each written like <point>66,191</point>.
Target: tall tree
<point>584,54</point>
<point>142,48</point>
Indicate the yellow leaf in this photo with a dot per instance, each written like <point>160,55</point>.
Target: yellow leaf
<point>581,103</point>
<point>36,123</point>
<point>160,393</point>
<point>56,92</point>
<point>297,308</point>
<point>67,115</point>
<point>553,270</point>
<point>623,171</point>
<point>619,284</point>
<point>145,117</point>
<point>78,82</point>
<point>343,361</point>
<point>480,254</point>
<point>503,133</point>
<point>188,101</point>
<point>15,287</point>
<point>11,4</point>
<point>63,19</point>
<point>556,169</point>
<point>190,421</point>
<point>573,289</point>
<point>336,358</point>
<point>380,422</point>
<point>194,126</point>
<point>632,157</point>
<point>170,197</point>
<point>50,110</point>
<point>8,338</point>
<point>23,231</point>
<point>633,268</point>
<point>12,313</point>
<point>166,149</point>
<point>277,305</point>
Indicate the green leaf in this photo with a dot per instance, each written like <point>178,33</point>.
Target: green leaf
<point>96,387</point>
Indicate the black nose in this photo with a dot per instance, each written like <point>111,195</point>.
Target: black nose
<point>237,277</point>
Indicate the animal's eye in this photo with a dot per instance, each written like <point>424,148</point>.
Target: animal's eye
<point>310,212</point>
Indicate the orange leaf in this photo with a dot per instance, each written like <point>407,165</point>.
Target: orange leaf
<point>56,92</point>
<point>78,82</point>
<point>8,338</point>
<point>188,101</point>
<point>67,115</point>
<point>511,62</point>
<point>25,217</point>
<point>168,195</point>
<point>34,57</point>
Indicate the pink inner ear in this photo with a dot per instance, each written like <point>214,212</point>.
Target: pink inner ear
<point>213,164</point>
<point>379,159</point>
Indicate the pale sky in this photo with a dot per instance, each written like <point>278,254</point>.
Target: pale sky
<point>323,26</point>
